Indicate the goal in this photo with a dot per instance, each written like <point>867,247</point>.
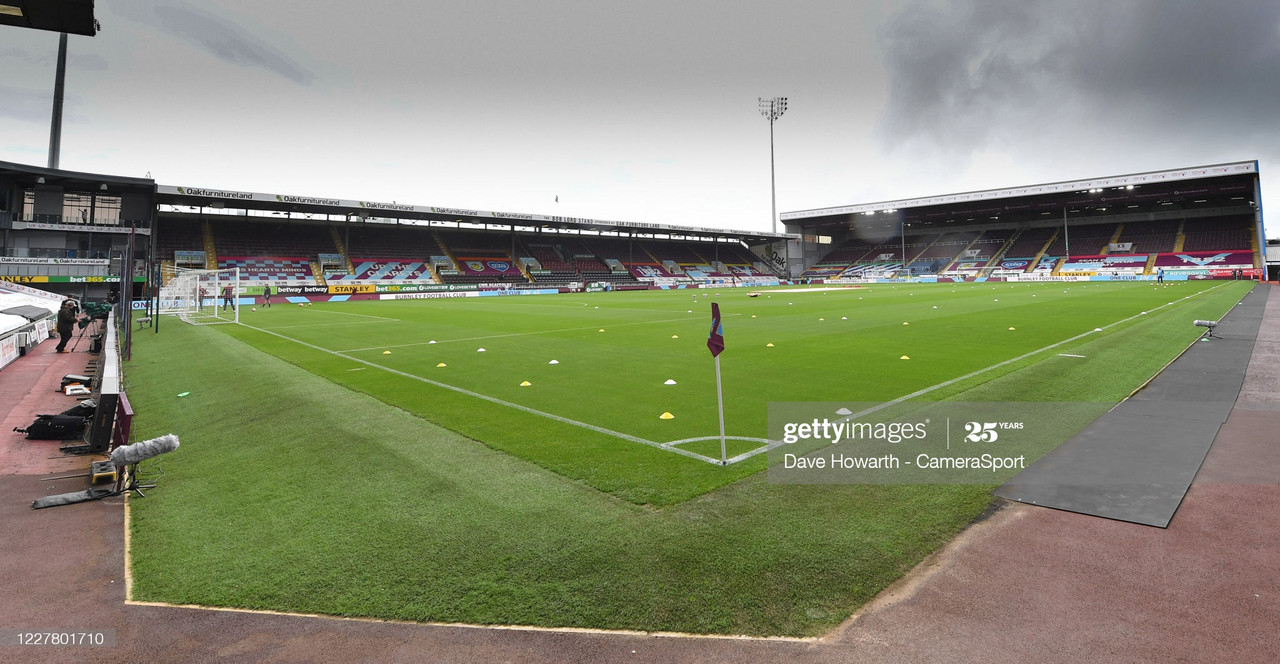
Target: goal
<point>198,296</point>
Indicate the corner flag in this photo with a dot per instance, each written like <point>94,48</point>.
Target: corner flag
<point>715,340</point>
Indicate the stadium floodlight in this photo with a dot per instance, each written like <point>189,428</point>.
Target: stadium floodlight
<point>772,109</point>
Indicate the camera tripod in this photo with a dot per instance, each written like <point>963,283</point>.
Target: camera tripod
<point>88,322</point>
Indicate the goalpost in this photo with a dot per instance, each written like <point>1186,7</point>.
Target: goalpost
<point>198,296</point>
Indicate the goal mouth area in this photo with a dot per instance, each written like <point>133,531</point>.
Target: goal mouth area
<point>201,297</point>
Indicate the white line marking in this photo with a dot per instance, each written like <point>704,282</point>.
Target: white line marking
<point>1068,355</point>
<point>671,446</point>
<point>500,402</point>
<point>971,374</point>
<point>347,313</point>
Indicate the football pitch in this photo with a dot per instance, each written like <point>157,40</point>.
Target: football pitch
<point>366,458</point>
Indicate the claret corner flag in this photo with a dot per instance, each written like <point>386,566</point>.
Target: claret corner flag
<point>715,341</point>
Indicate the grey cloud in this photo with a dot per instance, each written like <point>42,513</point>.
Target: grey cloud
<point>228,42</point>
<point>974,71</point>
<point>25,105</point>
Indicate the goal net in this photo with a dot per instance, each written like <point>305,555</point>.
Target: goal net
<point>201,297</point>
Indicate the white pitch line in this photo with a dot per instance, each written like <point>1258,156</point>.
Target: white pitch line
<point>347,313</point>
<point>971,374</point>
<point>485,397</point>
<point>523,334</point>
<point>308,325</point>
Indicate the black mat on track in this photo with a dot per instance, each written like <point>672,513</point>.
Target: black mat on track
<point>1136,462</point>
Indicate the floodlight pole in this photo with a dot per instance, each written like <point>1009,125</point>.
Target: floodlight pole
<point>59,83</point>
<point>772,109</point>
<point>904,250</point>
<point>1066,236</point>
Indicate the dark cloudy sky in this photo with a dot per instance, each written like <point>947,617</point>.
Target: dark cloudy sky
<point>646,110</point>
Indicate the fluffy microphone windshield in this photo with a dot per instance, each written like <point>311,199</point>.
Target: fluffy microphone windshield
<point>131,454</point>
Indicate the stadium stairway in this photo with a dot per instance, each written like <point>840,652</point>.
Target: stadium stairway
<point>444,248</point>
<point>210,250</point>
<point>1182,237</point>
<point>997,257</point>
<point>342,249</point>
<point>1040,254</point>
<point>1115,237</point>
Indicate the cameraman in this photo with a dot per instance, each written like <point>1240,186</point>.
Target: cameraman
<point>67,317</point>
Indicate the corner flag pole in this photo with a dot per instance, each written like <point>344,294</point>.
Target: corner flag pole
<point>715,343</point>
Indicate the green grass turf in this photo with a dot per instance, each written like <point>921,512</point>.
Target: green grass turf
<point>615,379</point>
<point>302,485</point>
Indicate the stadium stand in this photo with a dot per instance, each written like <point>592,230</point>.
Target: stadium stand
<point>1217,234</point>
<point>1029,243</point>
<point>258,239</point>
<point>1150,237</point>
<point>290,269</point>
<point>389,242</point>
<point>1205,260</point>
<point>371,269</point>
<point>179,235</point>
<point>1085,240</point>
<point>481,258</point>
<point>551,268</point>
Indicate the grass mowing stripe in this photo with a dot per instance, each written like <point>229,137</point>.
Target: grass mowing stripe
<point>304,487</point>
<point>500,402</point>
<point>516,334</point>
<point>953,381</point>
<point>369,511</point>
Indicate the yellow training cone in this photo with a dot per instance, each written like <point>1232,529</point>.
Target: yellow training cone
<point>602,329</point>
<point>769,345</point>
<point>1011,328</point>
<point>666,416</point>
<point>386,352</point>
<point>822,318</point>
<point>753,315</point>
<point>904,357</point>
<point>675,336</point>
<point>442,364</point>
<point>905,323</point>
<point>525,384</point>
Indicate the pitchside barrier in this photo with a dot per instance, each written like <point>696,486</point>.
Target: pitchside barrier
<point>112,419</point>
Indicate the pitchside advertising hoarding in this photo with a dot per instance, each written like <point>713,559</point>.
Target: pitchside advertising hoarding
<point>916,442</point>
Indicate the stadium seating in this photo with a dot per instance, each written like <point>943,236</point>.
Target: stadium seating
<point>1150,237</point>
<point>389,242</point>
<point>1217,234</point>
<point>1205,260</point>
<point>271,238</point>
<point>368,269</point>
<point>179,235</point>
<point>1031,241</point>
<point>1110,263</point>
<point>291,269</point>
<point>1085,240</point>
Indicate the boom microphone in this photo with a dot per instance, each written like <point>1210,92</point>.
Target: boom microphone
<point>1207,323</point>
<point>130,454</point>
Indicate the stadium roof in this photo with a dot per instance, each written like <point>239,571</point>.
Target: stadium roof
<point>30,176</point>
<point>1221,186</point>
<point>70,16</point>
<point>408,213</point>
